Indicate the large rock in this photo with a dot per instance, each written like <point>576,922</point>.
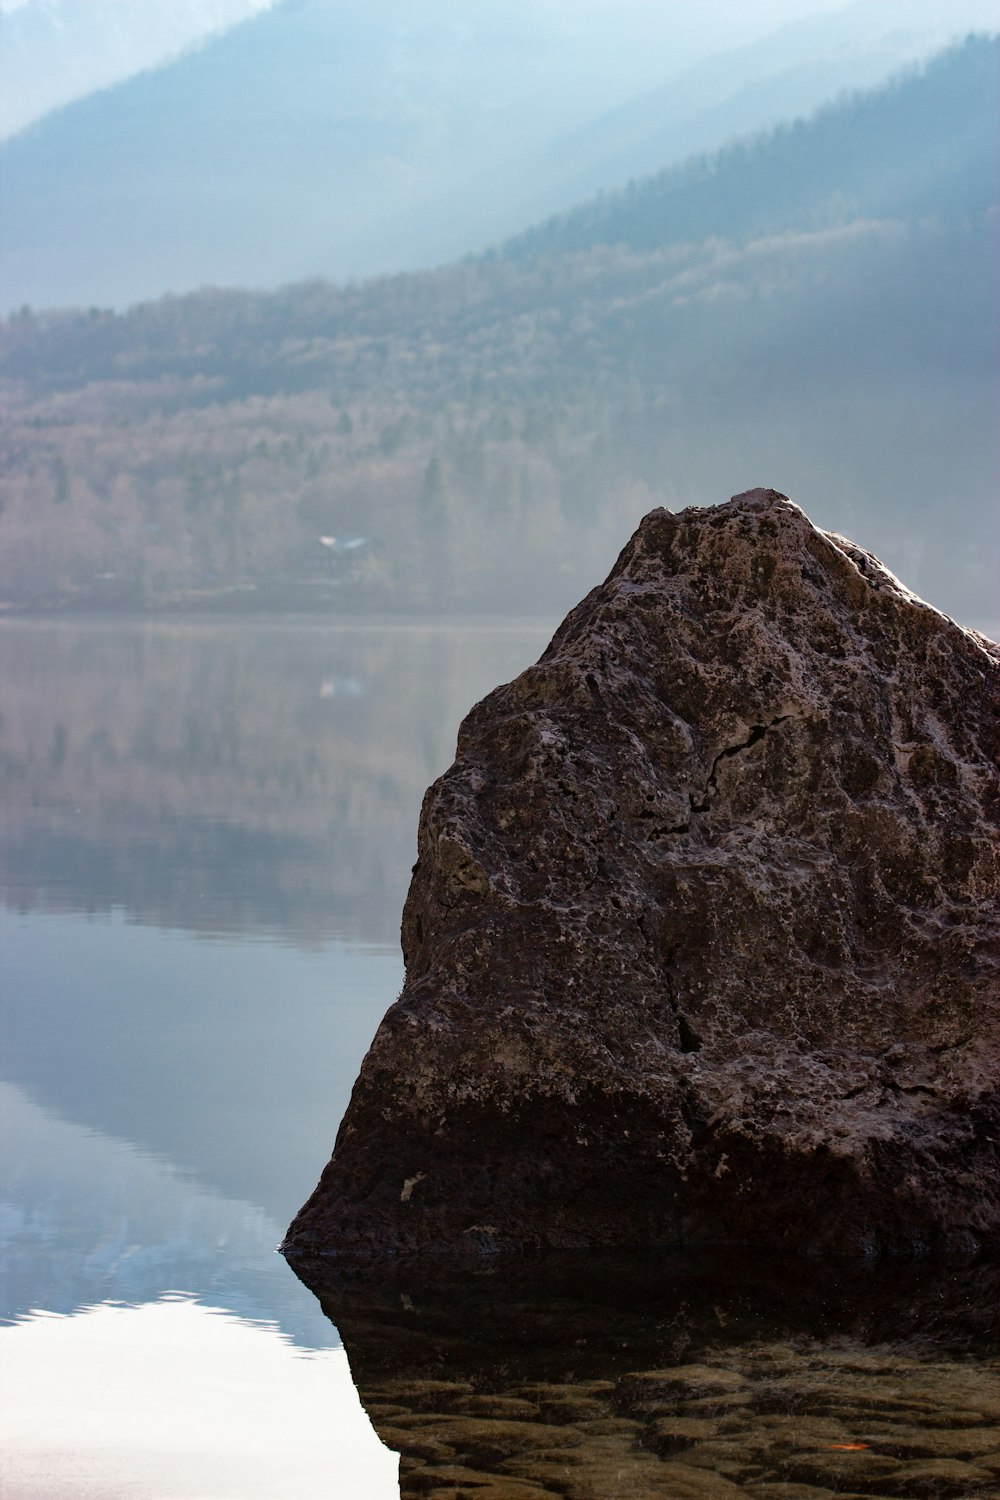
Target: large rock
<point>702,940</point>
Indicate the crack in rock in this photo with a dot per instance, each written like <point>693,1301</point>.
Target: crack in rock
<point>757,733</point>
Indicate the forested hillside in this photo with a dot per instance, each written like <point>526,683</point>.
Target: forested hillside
<point>814,310</point>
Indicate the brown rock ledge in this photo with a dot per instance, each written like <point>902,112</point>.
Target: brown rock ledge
<point>703,939</point>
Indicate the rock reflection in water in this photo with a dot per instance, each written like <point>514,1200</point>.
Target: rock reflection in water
<point>590,1378</point>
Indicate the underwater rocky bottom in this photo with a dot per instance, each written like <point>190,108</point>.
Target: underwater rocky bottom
<point>594,1377</point>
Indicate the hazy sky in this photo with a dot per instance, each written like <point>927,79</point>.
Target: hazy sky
<point>53,51</point>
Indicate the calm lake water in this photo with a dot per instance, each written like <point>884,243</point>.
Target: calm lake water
<point>207,836</point>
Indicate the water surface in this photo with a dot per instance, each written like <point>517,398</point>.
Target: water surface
<point>207,835</point>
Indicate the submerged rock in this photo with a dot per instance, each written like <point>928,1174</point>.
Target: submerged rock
<point>588,1375</point>
<point>703,940</point>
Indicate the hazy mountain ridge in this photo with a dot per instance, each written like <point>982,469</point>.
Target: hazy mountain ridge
<point>354,140</point>
<point>55,51</point>
<point>855,158</point>
<point>493,429</point>
<point>781,77</point>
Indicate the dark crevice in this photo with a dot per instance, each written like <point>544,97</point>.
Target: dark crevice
<point>950,1046</point>
<point>756,734</point>
<point>691,1115</point>
<point>906,1088</point>
<point>689,1039</point>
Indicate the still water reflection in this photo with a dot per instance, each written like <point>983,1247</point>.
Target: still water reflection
<point>172,1398</point>
<point>207,834</point>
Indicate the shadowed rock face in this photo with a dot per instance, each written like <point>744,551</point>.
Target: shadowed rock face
<point>703,940</point>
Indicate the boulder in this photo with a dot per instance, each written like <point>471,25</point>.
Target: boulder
<point>703,940</point>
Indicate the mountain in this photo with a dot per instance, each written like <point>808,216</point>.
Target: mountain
<point>923,146</point>
<point>55,51</point>
<point>364,138</point>
<point>782,76</point>
<point>814,309</point>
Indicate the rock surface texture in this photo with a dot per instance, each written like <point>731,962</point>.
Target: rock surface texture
<point>703,940</point>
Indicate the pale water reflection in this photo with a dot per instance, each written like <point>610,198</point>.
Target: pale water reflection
<point>230,1058</point>
<point>207,832</point>
<point>256,779</point>
<point>170,1400</point>
<point>85,1217</point>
